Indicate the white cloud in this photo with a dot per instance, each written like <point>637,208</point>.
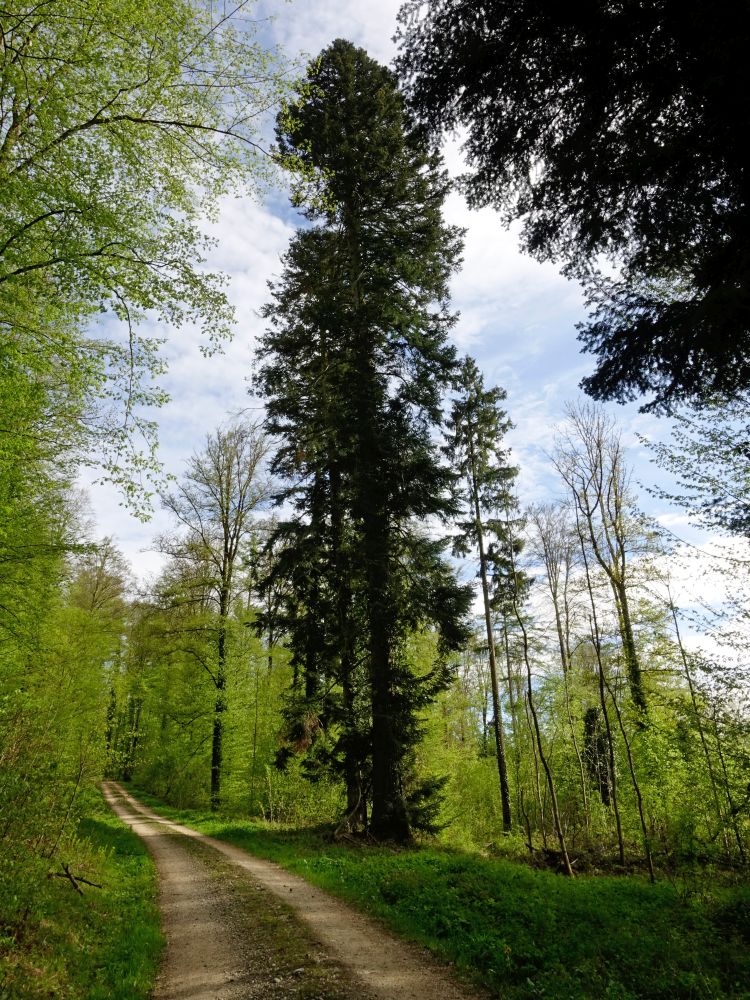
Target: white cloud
<point>309,25</point>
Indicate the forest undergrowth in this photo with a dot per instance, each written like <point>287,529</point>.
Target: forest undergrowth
<point>100,943</point>
<point>520,931</point>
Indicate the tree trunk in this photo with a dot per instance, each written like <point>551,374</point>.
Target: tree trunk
<point>502,766</point>
<point>701,731</point>
<point>596,640</point>
<point>356,805</point>
<point>562,638</point>
<point>630,653</point>
<point>567,868</point>
<point>220,705</point>
<point>389,816</point>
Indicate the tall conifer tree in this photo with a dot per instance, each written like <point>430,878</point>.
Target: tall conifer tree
<point>356,360</point>
<point>477,426</point>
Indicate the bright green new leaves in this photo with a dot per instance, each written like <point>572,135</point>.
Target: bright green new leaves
<point>121,125</point>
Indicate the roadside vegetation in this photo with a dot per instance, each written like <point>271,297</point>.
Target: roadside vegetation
<point>519,931</point>
<point>93,942</point>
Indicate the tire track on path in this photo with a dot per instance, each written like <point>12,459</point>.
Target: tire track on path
<point>381,965</point>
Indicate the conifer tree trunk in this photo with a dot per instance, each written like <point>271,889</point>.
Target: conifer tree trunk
<point>502,766</point>
<point>389,820</point>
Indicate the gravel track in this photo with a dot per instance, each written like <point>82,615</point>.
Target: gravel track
<point>238,927</point>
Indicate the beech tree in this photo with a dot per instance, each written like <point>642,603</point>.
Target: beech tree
<point>589,458</point>
<point>364,297</point>
<point>709,457</point>
<point>213,505</point>
<point>554,544</point>
<point>121,126</point>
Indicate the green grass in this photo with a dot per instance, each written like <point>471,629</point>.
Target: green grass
<point>522,932</point>
<point>103,945</point>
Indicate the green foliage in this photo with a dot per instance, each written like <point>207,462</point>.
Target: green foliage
<point>610,132</point>
<point>709,457</point>
<point>165,708</point>
<point>102,945</point>
<point>122,125</point>
<point>523,932</point>
<point>57,649</point>
<point>223,486</point>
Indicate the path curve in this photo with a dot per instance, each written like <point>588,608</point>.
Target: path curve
<point>386,967</point>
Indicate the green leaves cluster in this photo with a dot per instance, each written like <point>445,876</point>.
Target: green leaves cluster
<point>121,126</point>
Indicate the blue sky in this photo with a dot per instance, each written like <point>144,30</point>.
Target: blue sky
<point>517,316</point>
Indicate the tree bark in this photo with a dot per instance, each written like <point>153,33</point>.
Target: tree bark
<point>502,766</point>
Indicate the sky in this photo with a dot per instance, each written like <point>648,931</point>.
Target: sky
<point>517,316</point>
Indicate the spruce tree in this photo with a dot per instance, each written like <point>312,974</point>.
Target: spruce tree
<point>356,360</point>
<point>477,426</point>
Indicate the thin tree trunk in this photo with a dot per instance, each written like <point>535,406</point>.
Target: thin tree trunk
<point>502,766</point>
<point>254,758</point>
<point>537,776</point>
<point>565,662</point>
<point>733,810</point>
<point>610,741</point>
<point>220,705</point>
<point>596,639</point>
<point>537,731</point>
<point>636,785</point>
<point>526,821</point>
<point>699,725</point>
<point>513,700</point>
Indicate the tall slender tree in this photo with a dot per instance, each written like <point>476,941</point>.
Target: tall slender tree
<point>590,461</point>
<point>355,363</point>
<point>476,430</point>
<point>213,504</point>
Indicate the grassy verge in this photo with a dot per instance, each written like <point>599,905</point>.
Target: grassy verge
<point>102,945</point>
<point>526,933</point>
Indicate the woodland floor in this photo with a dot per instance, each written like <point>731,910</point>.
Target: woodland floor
<point>238,927</point>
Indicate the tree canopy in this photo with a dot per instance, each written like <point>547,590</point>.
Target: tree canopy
<point>613,131</point>
<point>121,125</point>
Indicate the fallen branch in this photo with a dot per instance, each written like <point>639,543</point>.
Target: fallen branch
<point>73,879</point>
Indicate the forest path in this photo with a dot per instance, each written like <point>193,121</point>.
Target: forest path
<point>238,927</point>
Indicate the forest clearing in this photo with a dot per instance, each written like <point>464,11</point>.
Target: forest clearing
<point>423,687</point>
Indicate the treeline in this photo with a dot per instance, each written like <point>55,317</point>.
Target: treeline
<point>576,759</point>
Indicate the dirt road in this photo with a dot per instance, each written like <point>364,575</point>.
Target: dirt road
<point>239,928</point>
